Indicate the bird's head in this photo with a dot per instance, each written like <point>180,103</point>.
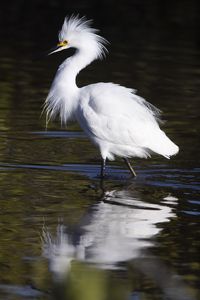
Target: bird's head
<point>77,33</point>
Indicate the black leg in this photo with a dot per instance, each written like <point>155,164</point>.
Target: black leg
<point>129,166</point>
<point>103,168</point>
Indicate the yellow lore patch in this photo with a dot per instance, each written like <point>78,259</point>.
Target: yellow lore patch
<point>63,43</point>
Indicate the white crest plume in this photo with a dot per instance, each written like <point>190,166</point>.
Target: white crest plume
<point>79,28</point>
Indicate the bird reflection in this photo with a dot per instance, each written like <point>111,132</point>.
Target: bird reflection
<point>116,229</point>
<point>119,228</point>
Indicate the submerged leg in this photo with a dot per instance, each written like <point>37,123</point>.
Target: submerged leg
<point>103,167</point>
<point>129,166</point>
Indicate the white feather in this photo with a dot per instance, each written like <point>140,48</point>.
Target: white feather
<point>117,120</point>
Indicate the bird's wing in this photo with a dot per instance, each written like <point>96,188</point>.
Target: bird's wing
<point>113,113</point>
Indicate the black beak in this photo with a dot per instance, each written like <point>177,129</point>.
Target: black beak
<point>44,53</point>
<point>54,49</point>
<point>57,48</point>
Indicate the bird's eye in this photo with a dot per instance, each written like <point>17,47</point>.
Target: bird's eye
<point>62,43</point>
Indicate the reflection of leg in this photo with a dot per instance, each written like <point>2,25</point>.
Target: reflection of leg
<point>102,188</point>
<point>103,167</point>
<point>129,166</point>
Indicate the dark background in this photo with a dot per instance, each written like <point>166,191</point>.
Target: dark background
<point>40,20</point>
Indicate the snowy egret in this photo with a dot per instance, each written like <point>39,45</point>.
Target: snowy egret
<point>116,120</point>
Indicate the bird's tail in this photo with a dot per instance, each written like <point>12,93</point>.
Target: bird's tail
<point>162,145</point>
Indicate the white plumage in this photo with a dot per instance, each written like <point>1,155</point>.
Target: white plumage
<point>117,120</point>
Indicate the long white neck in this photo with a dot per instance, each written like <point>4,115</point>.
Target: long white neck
<point>64,93</point>
<point>72,66</point>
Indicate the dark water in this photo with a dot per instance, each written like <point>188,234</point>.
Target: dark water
<point>63,236</point>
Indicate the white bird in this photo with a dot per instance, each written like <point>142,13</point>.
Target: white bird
<point>115,119</point>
